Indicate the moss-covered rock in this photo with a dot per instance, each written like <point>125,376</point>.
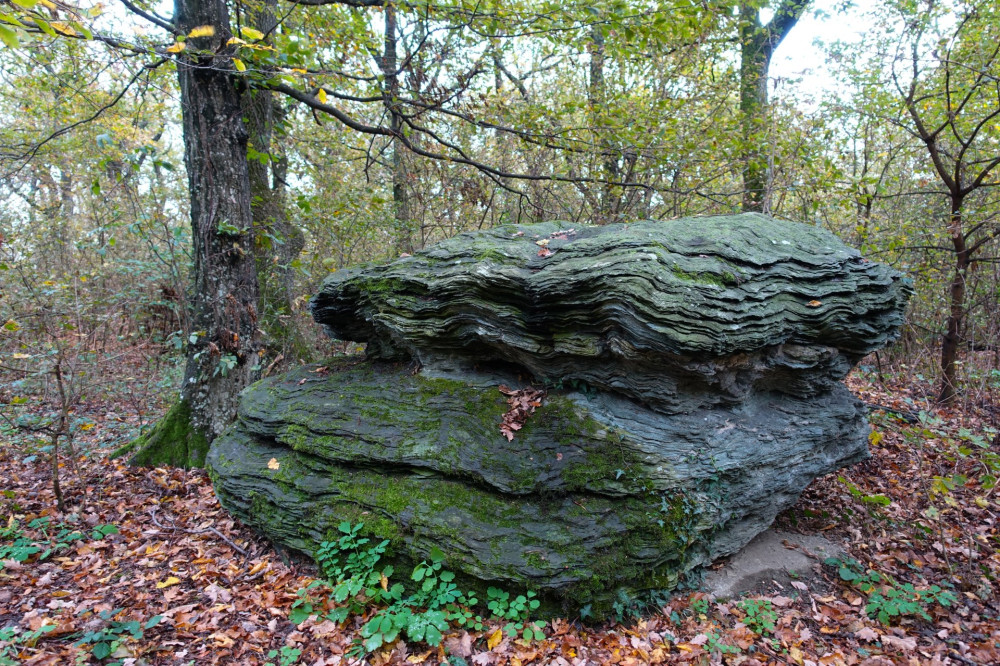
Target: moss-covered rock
<point>678,314</point>
<point>693,371</point>
<point>595,495</point>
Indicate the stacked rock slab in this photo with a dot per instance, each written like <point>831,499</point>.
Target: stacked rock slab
<point>693,371</point>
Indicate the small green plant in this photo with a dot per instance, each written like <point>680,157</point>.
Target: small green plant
<point>351,563</point>
<point>516,610</point>
<point>11,643</point>
<point>287,656</point>
<point>427,625</point>
<point>18,545</point>
<point>864,498</point>
<point>106,640</point>
<point>889,600</point>
<point>699,607</point>
<point>714,644</point>
<point>759,615</point>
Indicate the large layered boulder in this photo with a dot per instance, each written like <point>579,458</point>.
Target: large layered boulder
<point>692,370</point>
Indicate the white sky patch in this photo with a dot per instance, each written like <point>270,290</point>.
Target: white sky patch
<point>800,66</point>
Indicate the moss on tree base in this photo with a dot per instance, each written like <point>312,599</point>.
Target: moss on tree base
<point>172,442</point>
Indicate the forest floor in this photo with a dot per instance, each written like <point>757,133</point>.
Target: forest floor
<point>145,567</point>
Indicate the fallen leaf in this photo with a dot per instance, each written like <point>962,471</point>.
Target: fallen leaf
<point>494,639</point>
<point>906,643</point>
<point>866,634</point>
<point>172,580</point>
<point>273,463</point>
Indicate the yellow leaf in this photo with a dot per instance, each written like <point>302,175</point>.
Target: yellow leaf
<point>273,463</point>
<point>240,67</point>
<point>20,356</point>
<point>875,438</point>
<point>257,567</point>
<point>177,47</point>
<point>63,27</point>
<point>251,33</point>
<point>795,654</point>
<point>48,3</point>
<point>494,639</point>
<point>173,580</point>
<point>321,96</point>
<point>814,304</point>
<point>202,31</point>
<point>234,40</point>
<point>86,426</point>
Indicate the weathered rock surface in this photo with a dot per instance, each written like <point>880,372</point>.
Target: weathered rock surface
<point>693,371</point>
<point>677,314</point>
<point>595,494</point>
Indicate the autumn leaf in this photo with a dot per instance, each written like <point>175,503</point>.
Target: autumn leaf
<point>814,304</point>
<point>251,33</point>
<point>172,580</point>
<point>202,31</point>
<point>273,463</point>
<point>494,639</point>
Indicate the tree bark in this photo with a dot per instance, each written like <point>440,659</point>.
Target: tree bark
<point>277,241</point>
<point>956,313</point>
<point>222,356</point>
<point>610,199</point>
<point>757,45</point>
<point>400,172</point>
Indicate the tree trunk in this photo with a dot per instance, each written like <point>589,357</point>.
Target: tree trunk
<point>400,173</point>
<point>757,45</point>
<point>755,62</point>
<point>956,314</point>
<point>277,242</point>
<point>610,199</point>
<point>222,356</point>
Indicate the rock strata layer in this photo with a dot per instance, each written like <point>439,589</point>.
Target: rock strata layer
<point>677,314</point>
<point>693,373</point>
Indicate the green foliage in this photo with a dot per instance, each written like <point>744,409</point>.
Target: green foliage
<point>11,643</point>
<point>355,582</point>
<point>47,539</point>
<point>856,493</point>
<point>759,615</point>
<point>888,600</point>
<point>103,642</point>
<point>287,656</point>
<point>714,644</point>
<point>517,610</point>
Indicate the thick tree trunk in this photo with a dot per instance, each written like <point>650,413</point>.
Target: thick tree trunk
<point>951,342</point>
<point>223,351</point>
